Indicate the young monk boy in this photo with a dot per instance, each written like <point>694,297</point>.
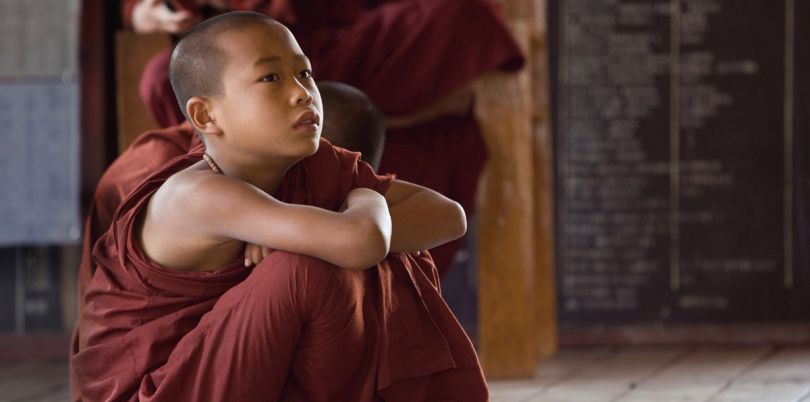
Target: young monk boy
<point>353,123</point>
<point>171,311</point>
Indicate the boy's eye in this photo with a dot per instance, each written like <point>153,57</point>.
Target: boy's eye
<point>306,74</point>
<point>270,77</point>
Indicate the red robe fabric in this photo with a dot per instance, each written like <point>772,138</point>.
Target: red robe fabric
<point>405,54</point>
<point>143,157</point>
<point>294,328</point>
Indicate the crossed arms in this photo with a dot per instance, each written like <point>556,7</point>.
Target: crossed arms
<point>369,226</point>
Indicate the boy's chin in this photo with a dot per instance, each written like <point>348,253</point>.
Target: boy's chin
<point>310,147</point>
<point>315,144</point>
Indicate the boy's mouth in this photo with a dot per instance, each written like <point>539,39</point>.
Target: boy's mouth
<point>307,119</point>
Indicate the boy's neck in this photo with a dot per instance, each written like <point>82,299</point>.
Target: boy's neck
<point>265,174</point>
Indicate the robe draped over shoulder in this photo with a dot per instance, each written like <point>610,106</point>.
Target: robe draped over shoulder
<point>142,157</point>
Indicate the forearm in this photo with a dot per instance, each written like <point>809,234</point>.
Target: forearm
<point>356,237</point>
<point>425,220</point>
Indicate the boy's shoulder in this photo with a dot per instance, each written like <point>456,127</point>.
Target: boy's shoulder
<point>341,166</point>
<point>150,182</point>
<point>192,179</point>
<point>326,173</point>
<point>334,162</point>
<point>329,154</point>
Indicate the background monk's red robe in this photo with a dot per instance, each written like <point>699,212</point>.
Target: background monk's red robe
<point>294,328</point>
<point>405,54</point>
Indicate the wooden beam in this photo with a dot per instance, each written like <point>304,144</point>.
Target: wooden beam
<point>545,285</point>
<point>517,292</point>
<point>506,224</point>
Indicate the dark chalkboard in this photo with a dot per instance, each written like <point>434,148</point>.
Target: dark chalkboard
<point>680,134</point>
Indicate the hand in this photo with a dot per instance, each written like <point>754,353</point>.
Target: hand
<point>457,103</point>
<point>150,16</point>
<point>254,254</point>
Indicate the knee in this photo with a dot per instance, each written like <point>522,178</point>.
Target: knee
<point>278,287</point>
<point>319,287</point>
<point>301,271</point>
<point>295,265</point>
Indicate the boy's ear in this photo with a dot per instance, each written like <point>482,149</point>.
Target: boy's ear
<point>200,115</point>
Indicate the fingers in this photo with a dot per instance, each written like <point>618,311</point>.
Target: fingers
<point>251,255</point>
<point>143,16</point>
<point>247,255</point>
<point>254,254</point>
<point>257,254</point>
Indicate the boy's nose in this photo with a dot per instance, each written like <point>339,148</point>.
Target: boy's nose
<point>301,95</point>
<point>306,99</point>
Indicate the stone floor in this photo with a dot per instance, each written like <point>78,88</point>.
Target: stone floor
<point>664,374</point>
<point>626,374</point>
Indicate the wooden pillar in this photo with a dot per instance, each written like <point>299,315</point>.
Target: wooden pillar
<point>506,224</point>
<point>545,285</point>
<point>517,298</point>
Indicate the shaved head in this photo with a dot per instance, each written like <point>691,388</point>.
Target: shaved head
<point>352,120</point>
<point>198,62</point>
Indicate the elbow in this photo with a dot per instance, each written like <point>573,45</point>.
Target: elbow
<point>459,226</point>
<point>378,242</point>
<point>369,246</point>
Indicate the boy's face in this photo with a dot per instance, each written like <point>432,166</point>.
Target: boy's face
<point>270,106</point>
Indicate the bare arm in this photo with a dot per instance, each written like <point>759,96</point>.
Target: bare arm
<point>356,238</point>
<point>422,218</point>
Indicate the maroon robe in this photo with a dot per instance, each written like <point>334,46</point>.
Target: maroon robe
<point>405,54</point>
<point>294,328</point>
<point>143,157</point>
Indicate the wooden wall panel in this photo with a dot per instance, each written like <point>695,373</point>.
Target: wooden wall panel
<point>132,51</point>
